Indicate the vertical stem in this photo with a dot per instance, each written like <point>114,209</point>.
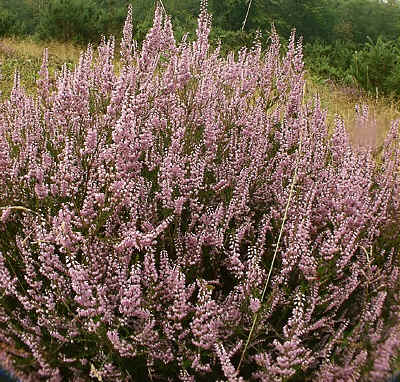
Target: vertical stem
<point>247,13</point>
<point>275,253</point>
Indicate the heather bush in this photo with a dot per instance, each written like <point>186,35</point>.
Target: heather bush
<point>189,217</point>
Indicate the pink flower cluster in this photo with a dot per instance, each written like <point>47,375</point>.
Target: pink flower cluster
<point>141,209</point>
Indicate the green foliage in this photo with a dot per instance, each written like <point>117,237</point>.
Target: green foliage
<point>70,20</point>
<point>16,18</point>
<point>7,20</point>
<point>358,19</point>
<point>232,40</point>
<point>313,19</point>
<point>327,20</point>
<point>85,20</point>
<point>332,61</point>
<point>375,66</point>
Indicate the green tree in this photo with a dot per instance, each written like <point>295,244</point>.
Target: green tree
<point>368,18</point>
<point>71,20</point>
<point>16,17</point>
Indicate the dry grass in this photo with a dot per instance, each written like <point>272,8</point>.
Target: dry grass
<point>25,56</point>
<point>342,101</point>
<point>60,52</point>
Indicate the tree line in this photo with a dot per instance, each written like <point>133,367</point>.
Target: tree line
<point>85,20</point>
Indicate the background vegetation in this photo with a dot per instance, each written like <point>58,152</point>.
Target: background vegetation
<point>352,42</point>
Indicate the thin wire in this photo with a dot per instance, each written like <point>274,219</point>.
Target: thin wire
<point>247,13</point>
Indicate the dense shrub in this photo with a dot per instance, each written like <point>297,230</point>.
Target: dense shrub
<point>150,217</point>
<point>373,66</point>
<point>359,19</point>
<point>7,20</point>
<point>331,61</point>
<point>16,18</point>
<point>70,20</point>
<point>376,66</point>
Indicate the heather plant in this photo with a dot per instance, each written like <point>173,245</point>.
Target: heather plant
<point>191,218</point>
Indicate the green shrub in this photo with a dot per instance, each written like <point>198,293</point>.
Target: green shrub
<point>7,20</point>
<point>71,20</point>
<point>331,61</point>
<point>375,66</point>
<point>16,18</point>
